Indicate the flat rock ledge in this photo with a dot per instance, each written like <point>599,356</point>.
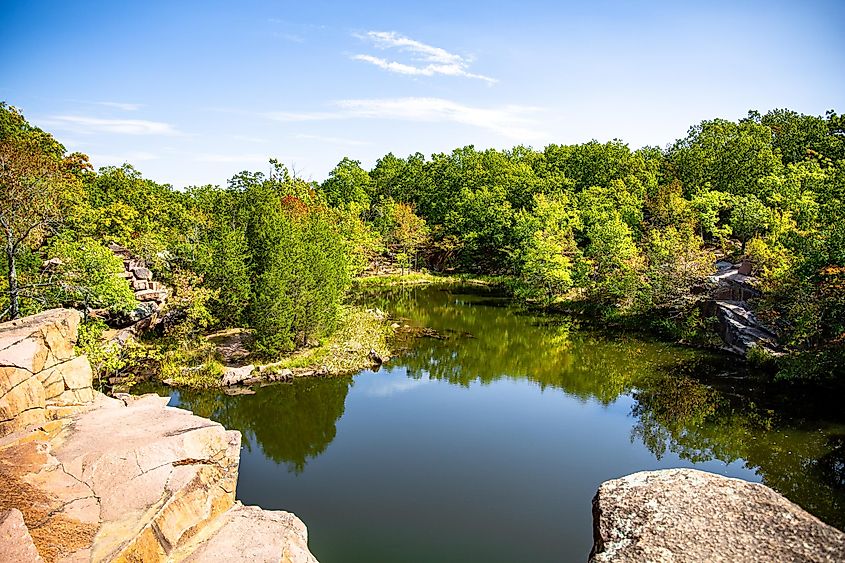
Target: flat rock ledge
<point>132,479</point>
<point>678,515</point>
<point>85,477</point>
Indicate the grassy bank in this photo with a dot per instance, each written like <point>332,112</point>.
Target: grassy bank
<point>348,349</point>
<point>420,278</point>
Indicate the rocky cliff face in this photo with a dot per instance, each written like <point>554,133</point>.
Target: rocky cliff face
<point>740,329</point>
<point>85,477</point>
<point>688,515</point>
<point>41,378</point>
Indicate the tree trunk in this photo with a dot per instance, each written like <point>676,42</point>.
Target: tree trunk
<point>12,276</point>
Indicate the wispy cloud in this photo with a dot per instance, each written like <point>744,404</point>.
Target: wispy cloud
<point>425,60</point>
<point>125,106</point>
<point>83,124</point>
<point>510,121</point>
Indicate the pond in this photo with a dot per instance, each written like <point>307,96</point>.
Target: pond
<point>488,443</point>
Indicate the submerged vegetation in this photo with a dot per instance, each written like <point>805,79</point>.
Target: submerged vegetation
<point>629,235</point>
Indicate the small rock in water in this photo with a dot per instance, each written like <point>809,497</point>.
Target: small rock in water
<point>281,375</point>
<point>374,356</point>
<point>234,375</point>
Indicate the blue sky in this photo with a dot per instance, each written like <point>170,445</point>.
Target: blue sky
<point>191,92</point>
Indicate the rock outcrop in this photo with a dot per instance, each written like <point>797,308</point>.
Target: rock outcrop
<point>739,328</point>
<point>118,479</point>
<point>41,378</point>
<point>140,279</point>
<point>15,541</point>
<point>688,515</point>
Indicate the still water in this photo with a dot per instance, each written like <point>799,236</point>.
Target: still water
<point>488,443</point>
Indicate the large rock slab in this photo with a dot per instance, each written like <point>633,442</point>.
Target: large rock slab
<point>248,533</point>
<point>39,369</point>
<point>678,515</point>
<point>15,541</point>
<point>39,341</point>
<point>121,481</point>
<point>132,479</point>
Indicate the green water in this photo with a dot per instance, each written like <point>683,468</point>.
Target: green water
<point>488,443</point>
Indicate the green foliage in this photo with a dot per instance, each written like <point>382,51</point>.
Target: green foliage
<point>633,233</point>
<point>348,184</point>
<point>617,262</point>
<point>725,156</point>
<point>675,263</point>
<point>547,255</point>
<point>146,217</point>
<point>105,358</point>
<point>749,217</point>
<point>89,276</point>
<point>299,268</point>
<point>187,313</point>
<point>190,365</point>
<point>38,186</point>
<point>710,207</point>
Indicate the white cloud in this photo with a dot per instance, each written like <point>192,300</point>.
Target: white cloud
<point>430,60</point>
<point>83,124</point>
<point>122,105</point>
<point>510,121</point>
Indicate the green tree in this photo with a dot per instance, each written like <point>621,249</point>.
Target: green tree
<point>87,275</point>
<point>348,183</point>
<point>37,186</point>
<point>547,254</point>
<point>617,262</point>
<point>749,217</point>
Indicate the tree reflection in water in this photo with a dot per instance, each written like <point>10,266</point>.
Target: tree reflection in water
<point>291,423</point>
<point>678,404</point>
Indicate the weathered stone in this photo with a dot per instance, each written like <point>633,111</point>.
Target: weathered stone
<point>248,533</point>
<point>740,330</point>
<point>138,285</point>
<point>27,395</point>
<point>375,357</point>
<point>232,345</point>
<point>15,542</point>
<point>126,479</point>
<point>11,377</point>
<point>76,373</point>
<point>37,364</point>
<point>235,375</point>
<point>75,397</point>
<point>682,515</point>
<point>281,375</point>
<point>151,295</point>
<point>119,250</point>
<point>33,416</point>
<point>39,341</point>
<point>52,381</point>
<point>142,273</point>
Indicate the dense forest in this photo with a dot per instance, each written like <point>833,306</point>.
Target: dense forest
<point>628,236</point>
